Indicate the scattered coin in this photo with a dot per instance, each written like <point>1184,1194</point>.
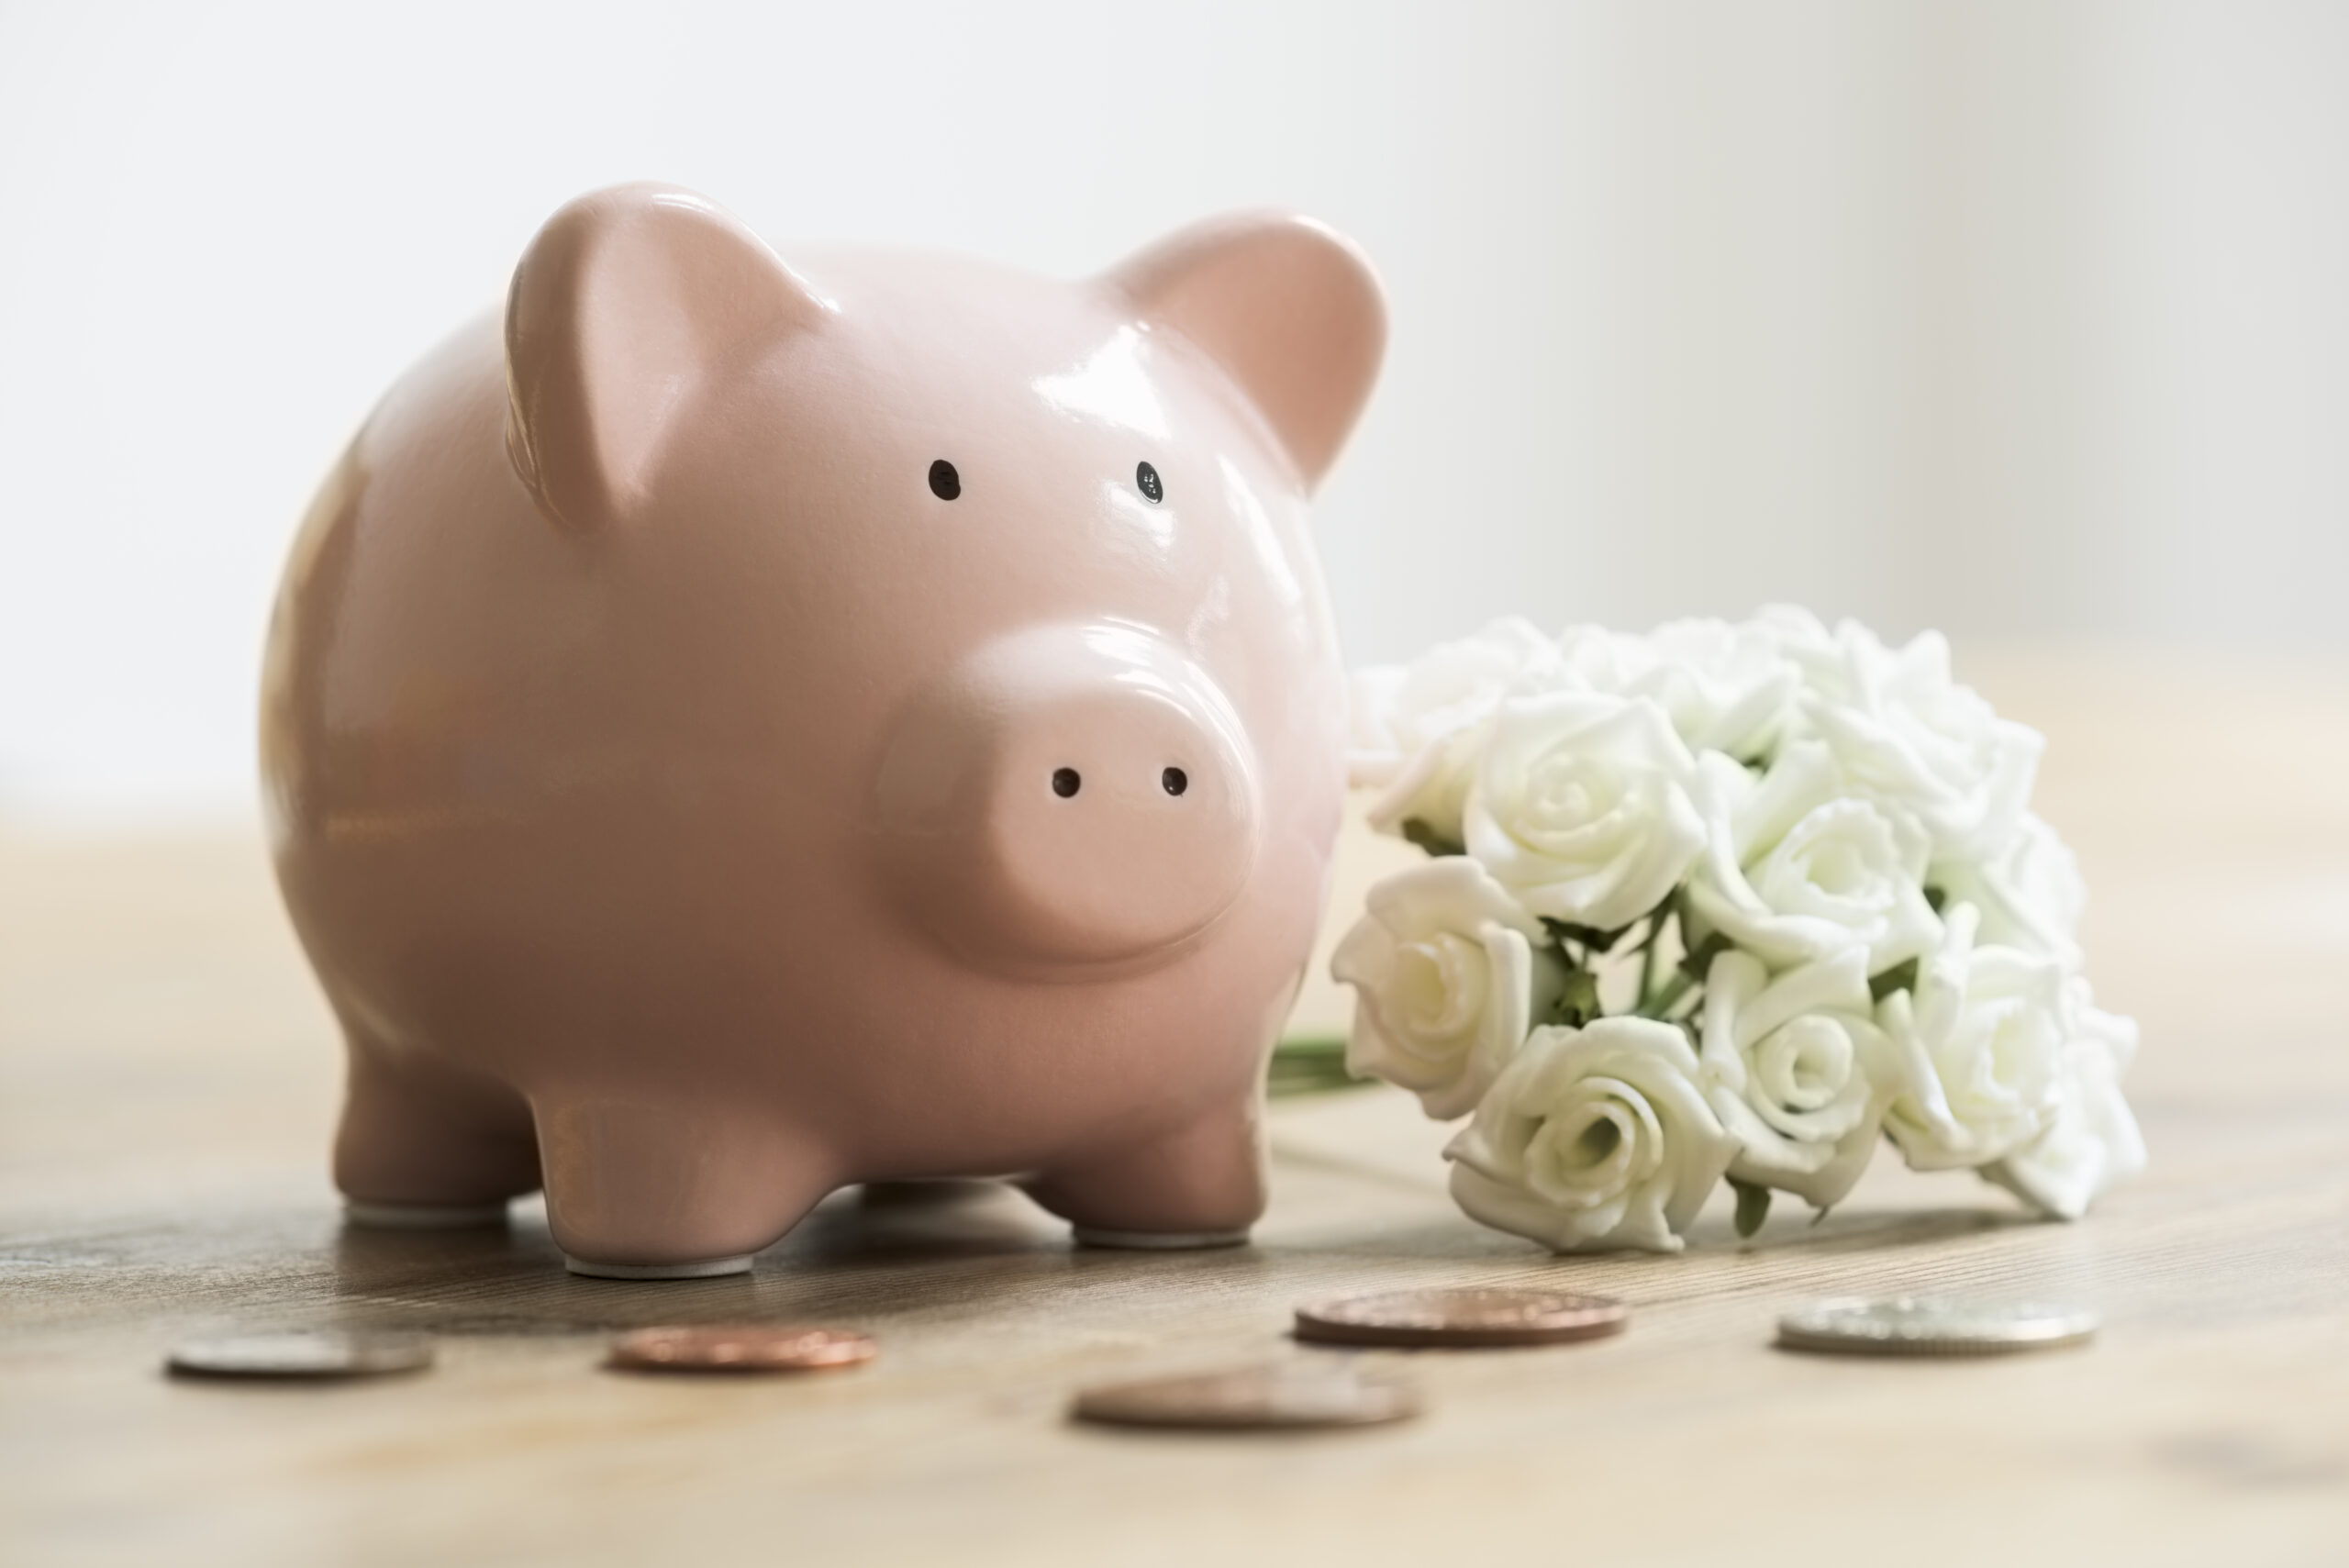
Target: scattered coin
<point>1474,1317</point>
<point>753,1347</point>
<point>1286,1395</point>
<point>301,1352</point>
<point>1932,1326</point>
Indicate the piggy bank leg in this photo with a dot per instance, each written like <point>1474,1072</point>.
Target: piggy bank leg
<point>424,1144</point>
<point>641,1188</point>
<point>1200,1184</point>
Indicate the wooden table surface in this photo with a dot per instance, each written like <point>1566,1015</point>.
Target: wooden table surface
<point>168,1076</point>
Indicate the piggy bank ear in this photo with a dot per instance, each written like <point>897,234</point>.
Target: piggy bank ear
<point>624,304</point>
<point>1290,310</point>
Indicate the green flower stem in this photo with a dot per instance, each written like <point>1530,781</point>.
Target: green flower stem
<point>1310,1064</point>
<point>1663,1002</point>
<point>1752,1206</point>
<point>1647,962</point>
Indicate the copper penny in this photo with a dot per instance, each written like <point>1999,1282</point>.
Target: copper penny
<point>749,1347</point>
<point>1282,1395</point>
<point>1473,1317</point>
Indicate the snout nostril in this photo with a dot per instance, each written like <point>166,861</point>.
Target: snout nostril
<point>1065,783</point>
<point>1175,780</point>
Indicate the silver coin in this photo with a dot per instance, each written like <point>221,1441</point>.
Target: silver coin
<point>1933,1325</point>
<point>301,1353</point>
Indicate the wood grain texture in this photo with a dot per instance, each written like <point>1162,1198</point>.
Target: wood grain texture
<point>167,1077</point>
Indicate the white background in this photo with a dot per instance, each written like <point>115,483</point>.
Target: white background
<point>2024,319</point>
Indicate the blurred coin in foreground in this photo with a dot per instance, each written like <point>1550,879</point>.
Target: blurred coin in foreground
<point>301,1352</point>
<point>1283,1395</point>
<point>755,1346</point>
<point>1932,1326</point>
<point>1470,1318</point>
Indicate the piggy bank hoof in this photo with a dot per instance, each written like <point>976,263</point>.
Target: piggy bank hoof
<point>704,1268</point>
<point>422,1216</point>
<point>1160,1241</point>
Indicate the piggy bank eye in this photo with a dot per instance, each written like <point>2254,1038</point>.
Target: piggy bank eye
<point>1146,481</point>
<point>944,482</point>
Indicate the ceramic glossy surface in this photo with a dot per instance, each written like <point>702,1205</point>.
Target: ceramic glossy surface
<point>743,728</point>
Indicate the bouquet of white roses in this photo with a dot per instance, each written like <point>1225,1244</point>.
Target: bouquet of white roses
<point>1739,901</point>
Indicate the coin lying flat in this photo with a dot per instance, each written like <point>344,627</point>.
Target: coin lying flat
<point>301,1352</point>
<point>1282,1395</point>
<point>752,1347</point>
<point>1470,1318</point>
<point>1932,1326</point>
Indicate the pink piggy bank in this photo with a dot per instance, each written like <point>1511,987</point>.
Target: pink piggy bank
<point>747,729</point>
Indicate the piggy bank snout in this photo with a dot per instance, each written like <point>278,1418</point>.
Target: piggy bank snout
<point>1074,797</point>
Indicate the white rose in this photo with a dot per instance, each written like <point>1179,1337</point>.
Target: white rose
<point>1728,688</point>
<point>1798,634</point>
<point>1978,1046</point>
<point>1906,733</point>
<point>1796,868</point>
<point>1417,728</point>
<point>1593,659</point>
<point>1790,1068</point>
<point>1591,1138</point>
<point>1581,808</point>
<point>2030,894</point>
<point>1724,687</point>
<point>2092,1143</point>
<point>1449,974</point>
